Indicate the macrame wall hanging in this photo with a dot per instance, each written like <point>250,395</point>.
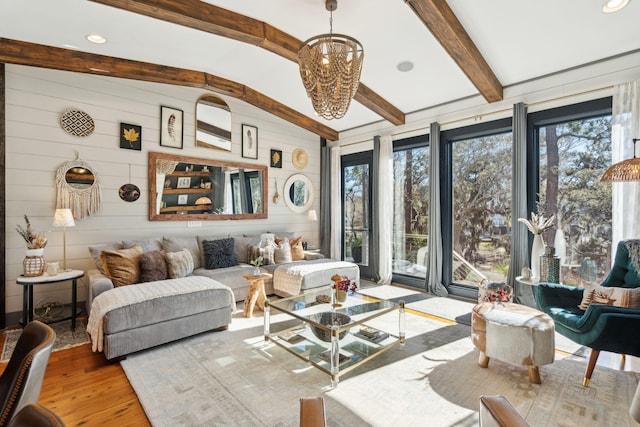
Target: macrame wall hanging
<point>78,189</point>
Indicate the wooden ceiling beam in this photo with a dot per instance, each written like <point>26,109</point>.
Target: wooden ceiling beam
<point>447,29</point>
<point>222,22</point>
<point>37,55</point>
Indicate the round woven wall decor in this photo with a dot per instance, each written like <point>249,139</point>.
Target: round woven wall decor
<point>77,123</point>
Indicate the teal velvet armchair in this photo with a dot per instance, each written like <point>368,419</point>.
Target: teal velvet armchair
<point>600,327</point>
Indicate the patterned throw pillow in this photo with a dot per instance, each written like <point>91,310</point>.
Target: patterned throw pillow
<point>219,253</point>
<point>619,297</point>
<point>179,264</point>
<point>122,266</point>
<point>283,252</point>
<point>153,266</point>
<point>267,253</point>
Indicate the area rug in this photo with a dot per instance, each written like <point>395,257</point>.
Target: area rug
<point>235,378</point>
<point>65,338</point>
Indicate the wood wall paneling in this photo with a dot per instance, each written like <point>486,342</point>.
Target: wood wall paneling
<point>36,146</point>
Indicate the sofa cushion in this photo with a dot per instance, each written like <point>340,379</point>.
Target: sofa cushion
<point>153,266</point>
<point>179,264</point>
<point>175,244</point>
<point>122,266</point>
<point>242,244</point>
<point>267,254</point>
<point>283,252</point>
<point>201,239</point>
<point>297,251</point>
<point>619,297</point>
<point>96,250</point>
<point>219,253</point>
<point>147,245</point>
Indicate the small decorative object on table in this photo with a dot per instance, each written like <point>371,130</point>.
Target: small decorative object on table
<point>342,285</point>
<point>538,225</point>
<point>495,292</point>
<point>256,265</point>
<point>33,264</point>
<point>329,319</point>
<point>549,266</point>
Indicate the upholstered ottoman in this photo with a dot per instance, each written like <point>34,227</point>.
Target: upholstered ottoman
<point>513,333</point>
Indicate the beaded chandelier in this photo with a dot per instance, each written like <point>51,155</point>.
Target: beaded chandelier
<point>624,171</point>
<point>330,66</point>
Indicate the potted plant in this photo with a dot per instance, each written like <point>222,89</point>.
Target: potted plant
<point>342,285</point>
<point>256,265</point>
<point>356,249</point>
<point>33,264</point>
<point>35,241</point>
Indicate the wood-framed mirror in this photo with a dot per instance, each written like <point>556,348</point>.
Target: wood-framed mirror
<point>183,188</point>
<point>213,123</point>
<point>298,193</point>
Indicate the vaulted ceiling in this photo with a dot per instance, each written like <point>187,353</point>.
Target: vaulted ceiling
<point>247,48</point>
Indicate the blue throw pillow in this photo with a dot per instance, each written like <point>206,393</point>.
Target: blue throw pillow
<point>219,253</point>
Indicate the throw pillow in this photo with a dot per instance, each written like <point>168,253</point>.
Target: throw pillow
<point>147,245</point>
<point>176,244</point>
<point>283,252</point>
<point>122,266</point>
<point>179,264</point>
<point>619,297</point>
<point>219,253</point>
<point>267,239</point>
<point>153,266</point>
<point>95,252</point>
<point>267,253</point>
<point>297,251</point>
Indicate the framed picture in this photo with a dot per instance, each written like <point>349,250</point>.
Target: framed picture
<point>130,136</point>
<point>184,182</point>
<point>182,199</point>
<point>171,121</point>
<point>249,142</point>
<point>276,158</point>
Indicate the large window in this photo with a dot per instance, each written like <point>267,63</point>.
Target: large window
<point>410,209</point>
<point>573,155</point>
<point>481,211</point>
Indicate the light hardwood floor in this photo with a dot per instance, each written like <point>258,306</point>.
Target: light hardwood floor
<point>85,389</point>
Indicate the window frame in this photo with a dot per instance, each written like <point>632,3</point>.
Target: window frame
<point>447,139</point>
<point>419,141</point>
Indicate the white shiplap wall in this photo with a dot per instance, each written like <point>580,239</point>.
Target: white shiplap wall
<point>37,146</point>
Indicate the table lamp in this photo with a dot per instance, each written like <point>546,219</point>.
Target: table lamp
<point>313,217</point>
<point>64,218</point>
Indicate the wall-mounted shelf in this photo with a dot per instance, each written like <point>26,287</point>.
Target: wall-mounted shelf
<point>186,208</point>
<point>186,191</point>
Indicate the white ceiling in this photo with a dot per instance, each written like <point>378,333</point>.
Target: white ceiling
<point>520,40</point>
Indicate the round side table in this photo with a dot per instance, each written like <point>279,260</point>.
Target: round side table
<point>45,279</point>
<point>256,295</point>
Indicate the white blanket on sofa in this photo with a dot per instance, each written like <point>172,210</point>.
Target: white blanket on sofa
<point>127,295</point>
<point>288,278</point>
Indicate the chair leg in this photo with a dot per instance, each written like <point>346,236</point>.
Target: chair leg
<point>593,358</point>
<point>623,361</point>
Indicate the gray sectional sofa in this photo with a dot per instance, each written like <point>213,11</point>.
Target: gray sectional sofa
<point>164,310</point>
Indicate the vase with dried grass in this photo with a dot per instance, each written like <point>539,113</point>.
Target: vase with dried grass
<point>34,263</point>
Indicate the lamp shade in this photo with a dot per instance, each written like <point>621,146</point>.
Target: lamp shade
<point>63,218</point>
<point>313,216</point>
<point>624,171</point>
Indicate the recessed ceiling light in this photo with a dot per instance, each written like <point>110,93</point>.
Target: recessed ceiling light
<point>611,6</point>
<point>96,38</point>
<point>405,66</point>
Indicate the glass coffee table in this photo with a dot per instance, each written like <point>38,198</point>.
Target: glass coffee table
<point>334,337</point>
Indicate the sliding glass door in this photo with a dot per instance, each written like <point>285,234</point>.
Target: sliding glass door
<point>356,210</point>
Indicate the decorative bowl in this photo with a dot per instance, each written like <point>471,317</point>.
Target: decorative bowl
<point>329,319</point>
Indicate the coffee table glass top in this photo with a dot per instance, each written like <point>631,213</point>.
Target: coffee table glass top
<point>334,347</point>
<point>358,307</point>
